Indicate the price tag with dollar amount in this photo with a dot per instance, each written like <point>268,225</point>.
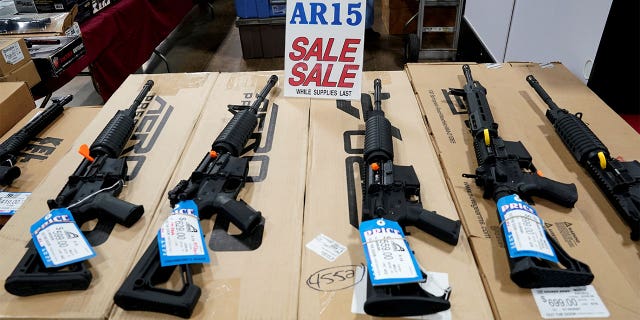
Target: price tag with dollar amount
<point>10,202</point>
<point>389,258</point>
<point>570,302</point>
<point>524,230</point>
<point>180,238</point>
<point>58,239</point>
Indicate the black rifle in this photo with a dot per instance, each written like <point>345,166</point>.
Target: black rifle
<point>506,168</point>
<point>213,186</point>
<point>620,181</point>
<point>90,193</point>
<point>393,192</point>
<point>10,148</point>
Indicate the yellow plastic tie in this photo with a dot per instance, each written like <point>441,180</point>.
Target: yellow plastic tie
<point>603,160</point>
<point>487,138</point>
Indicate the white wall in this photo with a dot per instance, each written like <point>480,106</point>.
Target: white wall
<point>568,31</point>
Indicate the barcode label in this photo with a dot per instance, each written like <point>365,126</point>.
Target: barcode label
<point>13,54</point>
<point>10,202</point>
<point>326,247</point>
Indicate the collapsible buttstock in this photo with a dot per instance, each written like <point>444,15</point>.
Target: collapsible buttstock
<point>31,277</point>
<point>139,291</point>
<point>531,272</point>
<point>402,300</point>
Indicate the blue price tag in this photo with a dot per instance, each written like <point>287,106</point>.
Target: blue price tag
<point>389,258</point>
<point>180,238</point>
<point>524,230</point>
<point>58,239</point>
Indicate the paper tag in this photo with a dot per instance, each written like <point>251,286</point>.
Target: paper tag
<point>524,230</point>
<point>10,202</point>
<point>326,247</point>
<point>74,30</point>
<point>389,258</point>
<point>58,239</point>
<point>436,284</point>
<point>13,54</point>
<point>570,302</point>
<point>180,238</point>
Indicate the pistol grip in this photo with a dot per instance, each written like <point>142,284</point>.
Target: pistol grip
<point>438,226</point>
<point>564,194</point>
<point>402,300</point>
<point>239,212</point>
<point>122,212</point>
<point>8,174</point>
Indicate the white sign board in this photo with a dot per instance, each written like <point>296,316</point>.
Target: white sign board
<point>324,48</point>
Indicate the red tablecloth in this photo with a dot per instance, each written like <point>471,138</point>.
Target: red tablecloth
<point>119,40</point>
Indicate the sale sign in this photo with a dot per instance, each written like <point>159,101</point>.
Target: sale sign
<point>323,49</point>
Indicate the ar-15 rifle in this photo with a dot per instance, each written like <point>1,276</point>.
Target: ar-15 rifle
<point>10,148</point>
<point>505,168</point>
<point>213,186</point>
<point>90,193</point>
<point>620,181</point>
<point>393,192</point>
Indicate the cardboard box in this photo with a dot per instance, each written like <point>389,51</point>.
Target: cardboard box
<point>14,54</point>
<point>518,122</point>
<point>27,73</point>
<point>45,150</point>
<point>621,139</point>
<point>38,24</point>
<point>262,283</point>
<point>15,102</point>
<point>333,199</point>
<point>164,123</point>
<point>50,59</point>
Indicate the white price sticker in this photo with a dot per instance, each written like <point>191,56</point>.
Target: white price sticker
<point>13,54</point>
<point>326,247</point>
<point>181,234</point>
<point>10,202</point>
<point>527,232</point>
<point>63,243</point>
<point>571,302</point>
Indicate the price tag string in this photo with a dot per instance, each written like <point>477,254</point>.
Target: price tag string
<point>538,221</point>
<point>95,193</point>
<point>379,240</point>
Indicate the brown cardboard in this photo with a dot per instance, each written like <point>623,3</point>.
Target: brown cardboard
<point>13,55</point>
<point>41,155</point>
<point>259,284</point>
<point>27,73</point>
<point>15,102</point>
<point>621,139</point>
<point>166,119</point>
<point>327,205</point>
<point>517,121</point>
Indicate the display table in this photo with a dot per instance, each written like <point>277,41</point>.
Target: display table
<point>119,40</point>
